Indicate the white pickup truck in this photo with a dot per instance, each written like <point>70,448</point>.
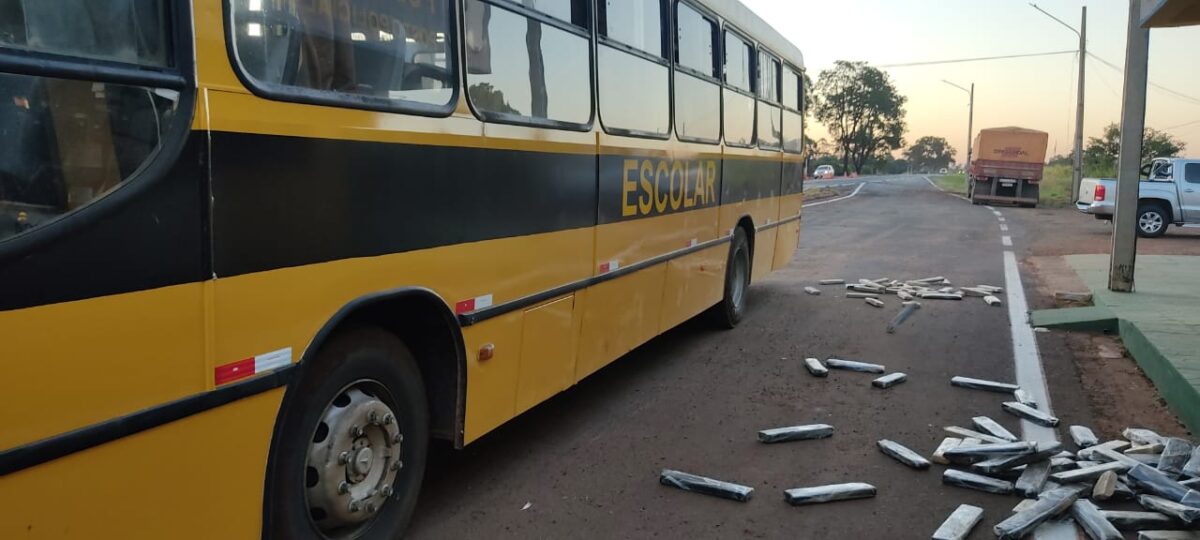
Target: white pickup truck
<point>1169,194</point>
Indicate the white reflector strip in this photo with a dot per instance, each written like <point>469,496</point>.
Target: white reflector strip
<point>272,360</point>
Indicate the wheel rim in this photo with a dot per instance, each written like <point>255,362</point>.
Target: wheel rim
<point>1151,222</point>
<point>740,274</point>
<point>353,459</point>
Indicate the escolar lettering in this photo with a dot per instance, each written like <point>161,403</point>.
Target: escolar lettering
<point>653,186</point>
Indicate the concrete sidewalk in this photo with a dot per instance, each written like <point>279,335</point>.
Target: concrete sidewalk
<point>1159,324</point>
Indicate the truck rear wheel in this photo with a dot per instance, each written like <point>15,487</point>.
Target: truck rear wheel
<point>350,453</point>
<point>1152,220</point>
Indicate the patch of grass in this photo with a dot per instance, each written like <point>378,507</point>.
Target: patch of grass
<point>954,183</point>
<point>1056,186</point>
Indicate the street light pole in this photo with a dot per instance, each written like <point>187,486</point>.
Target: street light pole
<point>970,121</point>
<point>1077,161</point>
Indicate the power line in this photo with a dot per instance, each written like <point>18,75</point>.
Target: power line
<point>979,59</point>
<point>1180,95</point>
<point>1186,124</point>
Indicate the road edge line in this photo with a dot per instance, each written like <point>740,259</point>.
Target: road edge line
<point>1027,359</point>
<point>819,203</point>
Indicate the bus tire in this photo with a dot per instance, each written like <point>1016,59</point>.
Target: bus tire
<point>363,418</point>
<point>732,307</point>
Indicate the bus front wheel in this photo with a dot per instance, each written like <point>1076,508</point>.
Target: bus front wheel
<point>729,311</point>
<point>352,445</point>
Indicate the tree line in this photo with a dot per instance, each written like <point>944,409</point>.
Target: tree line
<point>864,114</point>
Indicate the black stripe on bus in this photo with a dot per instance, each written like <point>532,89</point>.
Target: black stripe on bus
<point>58,446</point>
<point>476,317</point>
<point>280,201</point>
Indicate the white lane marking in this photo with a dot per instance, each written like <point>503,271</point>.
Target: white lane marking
<point>992,208</point>
<point>1006,240</point>
<point>939,188</point>
<point>1026,357</point>
<point>819,203</point>
<point>1002,220</point>
<point>1003,227</point>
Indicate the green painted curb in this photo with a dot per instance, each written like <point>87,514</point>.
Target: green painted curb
<point>1088,319</point>
<point>1173,386</point>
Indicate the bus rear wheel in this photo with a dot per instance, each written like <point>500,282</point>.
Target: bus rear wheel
<point>351,452</point>
<point>729,311</point>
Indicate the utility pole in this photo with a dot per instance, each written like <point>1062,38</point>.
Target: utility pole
<point>1078,169</point>
<point>1129,165</point>
<point>970,121</point>
<point>1077,162</point>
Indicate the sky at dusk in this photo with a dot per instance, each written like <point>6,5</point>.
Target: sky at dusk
<point>1036,93</point>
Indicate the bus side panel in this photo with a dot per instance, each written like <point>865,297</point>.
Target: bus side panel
<point>547,352</point>
<point>751,187</point>
<point>695,283</point>
<point>790,206</point>
<point>618,316</point>
<point>200,477</point>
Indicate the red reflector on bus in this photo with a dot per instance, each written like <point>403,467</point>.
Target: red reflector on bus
<point>232,372</point>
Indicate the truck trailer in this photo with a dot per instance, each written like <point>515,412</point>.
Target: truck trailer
<point>1007,166</point>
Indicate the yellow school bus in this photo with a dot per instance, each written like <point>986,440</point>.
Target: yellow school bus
<point>256,254</point>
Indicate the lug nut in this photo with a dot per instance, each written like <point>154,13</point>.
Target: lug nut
<point>397,465</point>
<point>373,417</point>
<point>386,491</point>
<point>354,506</point>
<point>398,438</point>
<point>343,458</point>
<point>387,419</point>
<point>343,487</point>
<point>357,431</point>
<point>370,508</point>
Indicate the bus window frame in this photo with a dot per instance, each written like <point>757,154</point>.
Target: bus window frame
<point>602,40</point>
<point>758,51</point>
<point>178,76</point>
<point>790,69</point>
<point>516,119</point>
<point>712,77</point>
<point>726,27</point>
<point>330,98</point>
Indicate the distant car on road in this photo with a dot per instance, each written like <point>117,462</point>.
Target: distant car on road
<point>1170,194</point>
<point>823,172</point>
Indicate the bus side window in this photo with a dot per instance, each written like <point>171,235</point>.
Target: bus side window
<point>631,49</point>
<point>394,52</point>
<point>697,90</point>
<point>770,129</point>
<point>739,97</point>
<point>793,116</point>
<point>528,70</point>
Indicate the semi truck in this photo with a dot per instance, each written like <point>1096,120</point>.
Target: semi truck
<point>1007,166</point>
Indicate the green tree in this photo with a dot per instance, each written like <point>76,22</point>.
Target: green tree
<point>1101,154</point>
<point>487,97</point>
<point>862,110</point>
<point>930,154</point>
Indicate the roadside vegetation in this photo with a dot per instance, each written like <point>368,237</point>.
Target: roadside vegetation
<point>954,183</point>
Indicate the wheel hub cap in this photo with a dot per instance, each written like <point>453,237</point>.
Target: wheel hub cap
<point>352,462</point>
<point>1151,222</point>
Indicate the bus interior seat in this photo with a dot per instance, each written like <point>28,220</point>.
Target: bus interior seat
<point>379,65</point>
<point>274,55</point>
